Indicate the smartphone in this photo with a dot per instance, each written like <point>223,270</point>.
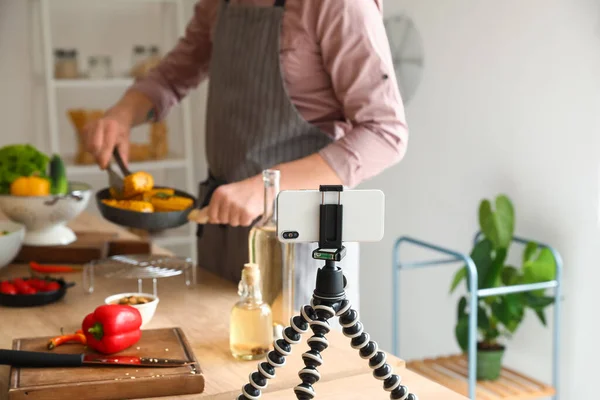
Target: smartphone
<point>298,215</point>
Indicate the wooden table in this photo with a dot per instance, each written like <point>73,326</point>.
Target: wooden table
<point>203,314</point>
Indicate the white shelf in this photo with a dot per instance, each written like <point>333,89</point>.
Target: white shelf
<point>173,161</point>
<point>84,83</point>
<point>184,161</point>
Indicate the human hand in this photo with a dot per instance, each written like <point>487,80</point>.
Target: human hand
<point>237,204</point>
<point>103,135</point>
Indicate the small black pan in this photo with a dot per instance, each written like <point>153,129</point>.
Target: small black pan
<point>152,222</point>
<point>38,299</point>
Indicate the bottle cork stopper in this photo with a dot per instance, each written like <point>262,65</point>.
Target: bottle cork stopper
<point>251,273</point>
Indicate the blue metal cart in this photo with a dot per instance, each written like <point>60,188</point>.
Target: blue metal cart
<point>451,257</point>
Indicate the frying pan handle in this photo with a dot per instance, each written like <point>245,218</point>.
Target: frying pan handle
<point>33,359</point>
<point>124,170</point>
<point>199,216</point>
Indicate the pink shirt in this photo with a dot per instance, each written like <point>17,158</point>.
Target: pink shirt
<point>337,68</point>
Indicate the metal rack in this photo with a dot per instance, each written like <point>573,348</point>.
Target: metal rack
<point>140,267</point>
<point>52,86</point>
<point>529,389</point>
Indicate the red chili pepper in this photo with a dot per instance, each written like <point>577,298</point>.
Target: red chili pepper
<point>74,338</point>
<point>112,328</point>
<point>7,288</point>
<point>48,269</point>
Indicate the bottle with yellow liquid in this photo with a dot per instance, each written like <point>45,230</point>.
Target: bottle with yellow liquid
<point>275,259</point>
<point>251,322</point>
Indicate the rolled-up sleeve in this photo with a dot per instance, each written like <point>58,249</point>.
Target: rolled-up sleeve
<point>356,54</point>
<point>184,67</point>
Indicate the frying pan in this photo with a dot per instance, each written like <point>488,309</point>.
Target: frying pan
<point>152,222</point>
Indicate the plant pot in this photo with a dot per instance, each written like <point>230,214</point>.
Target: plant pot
<point>489,363</point>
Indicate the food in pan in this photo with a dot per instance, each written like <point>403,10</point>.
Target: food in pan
<point>28,286</point>
<point>4,233</point>
<point>167,202</point>
<point>141,196</point>
<point>130,205</point>
<point>137,183</point>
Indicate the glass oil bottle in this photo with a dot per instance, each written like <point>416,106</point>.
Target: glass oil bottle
<point>275,259</point>
<point>251,321</point>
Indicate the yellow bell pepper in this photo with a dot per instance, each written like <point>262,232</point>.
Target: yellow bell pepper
<point>137,183</point>
<point>30,186</point>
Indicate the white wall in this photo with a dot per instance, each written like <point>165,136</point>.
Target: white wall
<point>508,103</point>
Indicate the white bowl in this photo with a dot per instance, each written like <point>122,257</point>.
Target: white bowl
<point>10,244</point>
<point>45,217</point>
<point>146,310</point>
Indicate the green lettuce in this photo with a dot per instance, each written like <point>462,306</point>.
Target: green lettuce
<point>20,160</point>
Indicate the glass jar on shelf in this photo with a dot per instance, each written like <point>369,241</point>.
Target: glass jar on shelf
<point>138,58</point>
<point>99,67</point>
<point>275,259</point>
<point>66,64</point>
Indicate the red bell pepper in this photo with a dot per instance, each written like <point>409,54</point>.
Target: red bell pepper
<point>112,328</point>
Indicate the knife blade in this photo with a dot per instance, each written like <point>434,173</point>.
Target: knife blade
<point>34,359</point>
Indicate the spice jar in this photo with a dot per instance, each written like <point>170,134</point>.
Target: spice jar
<point>65,64</point>
<point>138,58</point>
<point>99,67</point>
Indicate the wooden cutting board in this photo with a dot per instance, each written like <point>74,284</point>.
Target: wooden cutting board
<point>110,383</point>
<point>89,246</point>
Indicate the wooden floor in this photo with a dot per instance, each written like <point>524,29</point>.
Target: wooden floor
<point>452,372</point>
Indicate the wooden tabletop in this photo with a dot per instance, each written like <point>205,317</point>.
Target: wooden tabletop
<point>202,312</point>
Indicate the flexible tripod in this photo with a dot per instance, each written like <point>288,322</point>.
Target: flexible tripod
<point>328,301</point>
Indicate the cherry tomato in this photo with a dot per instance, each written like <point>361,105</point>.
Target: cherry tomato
<point>7,288</point>
<point>37,284</point>
<point>52,287</point>
<point>23,287</point>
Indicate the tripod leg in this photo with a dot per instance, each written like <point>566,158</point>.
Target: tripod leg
<point>369,350</point>
<point>317,343</point>
<point>276,357</point>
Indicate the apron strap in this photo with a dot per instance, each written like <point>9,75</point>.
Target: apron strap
<point>278,3</point>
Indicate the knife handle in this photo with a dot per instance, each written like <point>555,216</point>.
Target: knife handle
<point>33,359</point>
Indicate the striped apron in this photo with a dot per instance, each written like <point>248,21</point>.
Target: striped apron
<point>251,126</point>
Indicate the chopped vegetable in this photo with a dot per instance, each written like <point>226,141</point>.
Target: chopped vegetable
<point>131,205</point>
<point>20,160</point>
<point>165,202</point>
<point>77,337</point>
<point>4,233</point>
<point>112,328</point>
<point>137,183</point>
<point>30,186</point>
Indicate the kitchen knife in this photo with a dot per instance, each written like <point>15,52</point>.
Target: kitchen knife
<point>33,359</point>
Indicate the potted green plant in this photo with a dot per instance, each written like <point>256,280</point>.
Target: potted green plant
<point>500,316</point>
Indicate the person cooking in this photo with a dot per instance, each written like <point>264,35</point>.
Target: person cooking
<point>306,87</point>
